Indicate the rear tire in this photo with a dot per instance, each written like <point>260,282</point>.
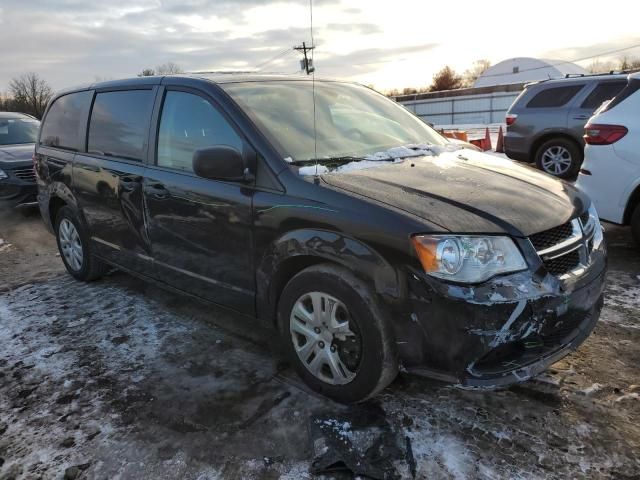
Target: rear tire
<point>559,157</point>
<point>75,248</point>
<point>635,225</point>
<point>361,350</point>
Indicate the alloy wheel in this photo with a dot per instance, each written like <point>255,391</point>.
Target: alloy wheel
<point>556,160</point>
<point>70,244</point>
<point>325,338</point>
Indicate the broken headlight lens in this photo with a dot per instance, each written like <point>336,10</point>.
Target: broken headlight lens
<point>467,258</point>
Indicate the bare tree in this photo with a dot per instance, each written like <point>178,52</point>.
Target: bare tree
<point>470,75</point>
<point>627,63</point>
<point>599,66</point>
<point>30,93</point>
<point>168,68</point>
<point>446,79</point>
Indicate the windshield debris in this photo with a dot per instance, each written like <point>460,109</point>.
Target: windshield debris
<point>347,164</point>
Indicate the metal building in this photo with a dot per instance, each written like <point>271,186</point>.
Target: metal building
<point>525,69</point>
<point>491,96</point>
<point>483,105</point>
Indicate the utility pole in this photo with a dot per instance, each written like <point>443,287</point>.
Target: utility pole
<point>307,63</point>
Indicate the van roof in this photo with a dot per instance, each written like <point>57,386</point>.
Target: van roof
<point>214,77</point>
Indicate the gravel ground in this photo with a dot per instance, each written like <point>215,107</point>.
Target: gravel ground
<point>119,379</point>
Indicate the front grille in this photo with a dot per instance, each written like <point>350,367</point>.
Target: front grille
<point>551,237</point>
<point>564,264</point>
<point>25,173</point>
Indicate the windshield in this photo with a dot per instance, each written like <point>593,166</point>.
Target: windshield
<point>351,120</point>
<point>18,130</point>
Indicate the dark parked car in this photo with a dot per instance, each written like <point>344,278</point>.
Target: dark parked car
<point>545,124</point>
<point>18,133</point>
<point>368,247</point>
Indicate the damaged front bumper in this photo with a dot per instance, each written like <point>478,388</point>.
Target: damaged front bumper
<point>504,331</point>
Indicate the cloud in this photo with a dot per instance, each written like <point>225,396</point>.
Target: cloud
<point>611,50</point>
<point>367,60</point>
<point>74,41</point>
<point>359,28</point>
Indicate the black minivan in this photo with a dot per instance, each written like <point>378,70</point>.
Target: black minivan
<point>369,242</point>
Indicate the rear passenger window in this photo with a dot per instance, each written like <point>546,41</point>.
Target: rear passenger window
<point>554,97</point>
<point>604,91</point>
<point>119,124</point>
<point>188,123</point>
<point>64,124</point>
<point>632,87</point>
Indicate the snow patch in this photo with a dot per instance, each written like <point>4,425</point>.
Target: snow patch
<point>628,396</point>
<point>342,429</point>
<point>4,245</point>
<point>592,389</point>
<point>393,155</point>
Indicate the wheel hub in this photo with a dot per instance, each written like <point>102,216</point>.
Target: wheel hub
<point>70,244</point>
<point>324,335</point>
<point>556,160</point>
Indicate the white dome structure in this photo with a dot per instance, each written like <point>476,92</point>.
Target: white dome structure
<point>525,69</point>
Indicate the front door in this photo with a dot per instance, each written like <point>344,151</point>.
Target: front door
<point>200,229</point>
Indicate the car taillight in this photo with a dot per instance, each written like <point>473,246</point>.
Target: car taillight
<point>511,118</point>
<point>597,134</point>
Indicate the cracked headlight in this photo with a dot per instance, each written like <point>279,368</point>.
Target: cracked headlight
<point>3,175</point>
<point>467,258</point>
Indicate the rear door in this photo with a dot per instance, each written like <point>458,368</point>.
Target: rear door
<point>62,135</point>
<point>589,100</point>
<point>200,229</point>
<point>107,178</point>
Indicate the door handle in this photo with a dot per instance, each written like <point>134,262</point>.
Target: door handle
<point>581,117</point>
<point>157,190</point>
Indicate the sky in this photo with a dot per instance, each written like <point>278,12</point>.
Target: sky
<point>390,44</point>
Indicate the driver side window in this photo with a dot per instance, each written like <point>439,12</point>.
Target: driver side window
<point>189,122</point>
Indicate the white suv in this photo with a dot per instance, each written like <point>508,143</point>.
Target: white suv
<point>610,173</point>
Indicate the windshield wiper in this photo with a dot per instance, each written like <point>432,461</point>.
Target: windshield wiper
<point>328,160</point>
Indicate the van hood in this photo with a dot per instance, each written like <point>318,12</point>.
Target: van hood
<point>467,192</point>
<point>16,153</point>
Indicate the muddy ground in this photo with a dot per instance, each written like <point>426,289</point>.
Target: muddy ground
<point>119,379</point>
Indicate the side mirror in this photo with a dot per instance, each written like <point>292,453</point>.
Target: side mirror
<point>221,162</point>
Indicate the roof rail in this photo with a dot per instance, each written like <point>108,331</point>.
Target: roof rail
<point>610,72</point>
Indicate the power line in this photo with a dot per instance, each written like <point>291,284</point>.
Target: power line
<point>289,52</point>
<point>604,54</point>
<point>273,59</point>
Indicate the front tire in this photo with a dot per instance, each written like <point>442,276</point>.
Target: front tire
<point>75,248</point>
<point>336,334</point>
<point>559,157</point>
